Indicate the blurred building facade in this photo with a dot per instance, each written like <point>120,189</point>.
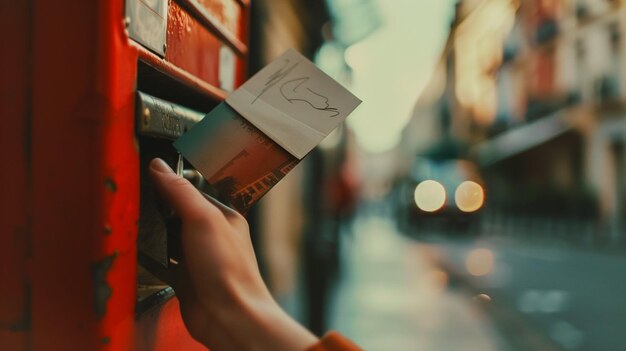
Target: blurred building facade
<point>537,88</point>
<point>296,226</point>
<point>279,220</point>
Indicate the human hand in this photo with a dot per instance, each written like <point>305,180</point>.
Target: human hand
<point>223,300</point>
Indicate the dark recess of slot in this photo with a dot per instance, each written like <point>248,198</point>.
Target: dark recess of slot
<point>158,84</point>
<point>152,241</point>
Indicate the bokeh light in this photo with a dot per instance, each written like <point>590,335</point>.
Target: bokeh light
<point>482,298</point>
<point>430,196</point>
<point>480,262</point>
<point>469,196</point>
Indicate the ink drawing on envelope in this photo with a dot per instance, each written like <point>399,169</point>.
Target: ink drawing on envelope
<point>293,102</point>
<point>248,143</point>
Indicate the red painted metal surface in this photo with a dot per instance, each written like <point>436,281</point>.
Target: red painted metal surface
<point>70,199</point>
<point>14,213</point>
<point>181,75</point>
<point>226,12</point>
<point>84,166</point>
<point>222,17</point>
<point>192,47</point>
<point>160,329</point>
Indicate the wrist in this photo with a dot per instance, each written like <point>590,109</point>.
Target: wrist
<point>259,323</point>
<point>282,331</point>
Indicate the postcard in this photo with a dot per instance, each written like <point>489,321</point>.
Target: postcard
<point>248,143</point>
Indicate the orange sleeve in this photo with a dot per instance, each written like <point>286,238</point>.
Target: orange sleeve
<point>334,341</point>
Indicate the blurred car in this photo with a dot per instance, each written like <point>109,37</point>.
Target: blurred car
<point>446,193</point>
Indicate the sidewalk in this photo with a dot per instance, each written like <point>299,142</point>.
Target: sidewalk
<point>545,296</point>
<point>392,296</point>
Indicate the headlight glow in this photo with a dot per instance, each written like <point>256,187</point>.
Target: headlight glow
<point>430,196</point>
<point>469,196</point>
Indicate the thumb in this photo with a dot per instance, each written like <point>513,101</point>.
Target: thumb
<point>182,196</point>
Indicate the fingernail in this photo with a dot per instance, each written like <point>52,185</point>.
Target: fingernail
<point>159,165</point>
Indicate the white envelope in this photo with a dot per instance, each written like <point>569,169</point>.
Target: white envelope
<point>293,102</point>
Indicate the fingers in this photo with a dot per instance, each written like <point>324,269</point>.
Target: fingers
<point>227,211</point>
<point>184,198</point>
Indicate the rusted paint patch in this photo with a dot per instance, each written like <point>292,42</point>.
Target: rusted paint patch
<point>105,340</point>
<point>25,323</point>
<point>102,290</point>
<point>110,185</point>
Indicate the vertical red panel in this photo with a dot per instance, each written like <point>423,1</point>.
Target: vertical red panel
<point>85,178</point>
<point>65,141</point>
<point>15,154</point>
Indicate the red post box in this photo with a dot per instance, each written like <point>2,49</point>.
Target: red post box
<point>75,136</point>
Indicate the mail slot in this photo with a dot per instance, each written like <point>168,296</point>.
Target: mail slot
<point>165,109</point>
<point>158,123</point>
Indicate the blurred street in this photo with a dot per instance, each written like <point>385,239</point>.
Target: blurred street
<point>438,290</point>
<point>393,296</point>
<point>556,292</point>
